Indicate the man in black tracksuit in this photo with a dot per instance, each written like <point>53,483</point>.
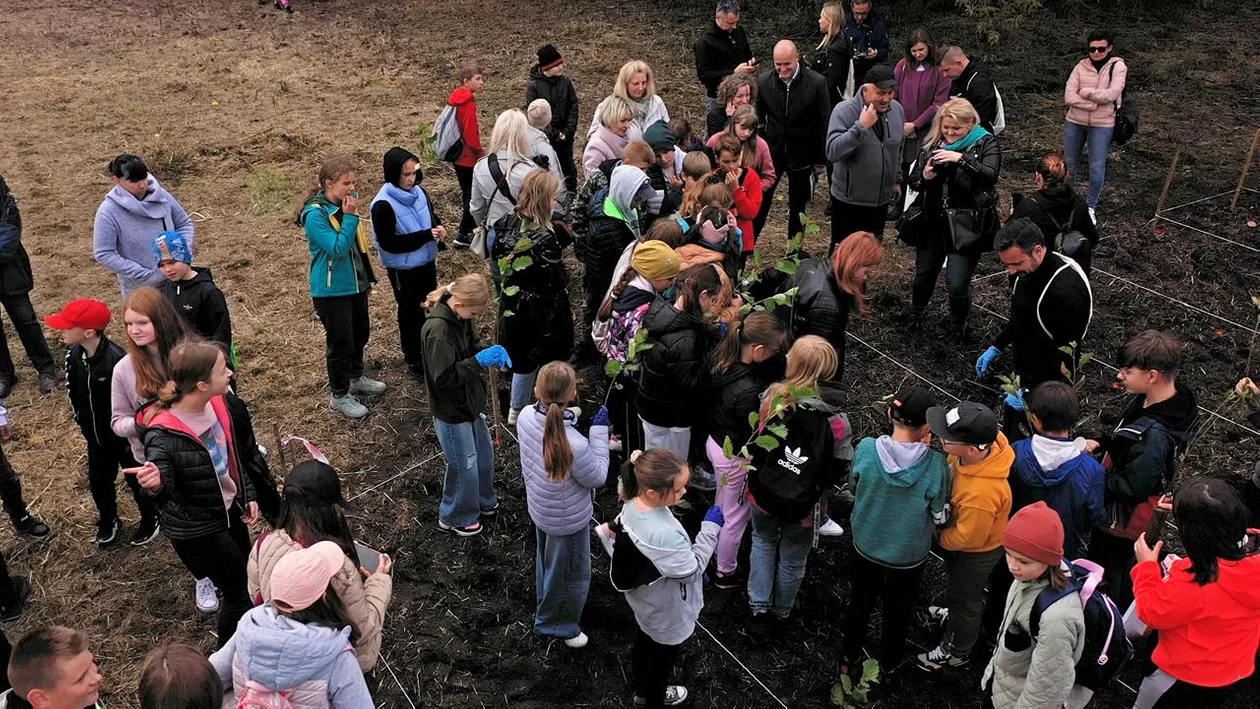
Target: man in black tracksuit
<point>972,82</point>
<point>722,50</point>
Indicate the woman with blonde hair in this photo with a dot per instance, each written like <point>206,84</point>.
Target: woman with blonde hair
<point>498,176</point>
<point>635,85</point>
<point>835,53</point>
<point>956,175</point>
<point>457,400</point>
<point>608,142</point>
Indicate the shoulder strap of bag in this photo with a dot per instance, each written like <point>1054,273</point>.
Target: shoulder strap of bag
<point>500,180</point>
<point>1061,227</point>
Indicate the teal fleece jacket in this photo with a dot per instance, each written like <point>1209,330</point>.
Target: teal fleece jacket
<point>900,490</point>
<point>338,267</point>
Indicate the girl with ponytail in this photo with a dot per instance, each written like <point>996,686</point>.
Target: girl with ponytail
<point>561,469</point>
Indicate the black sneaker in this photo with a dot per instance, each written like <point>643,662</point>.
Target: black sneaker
<point>107,532</point>
<point>728,581</point>
<point>6,385</point>
<point>146,532</point>
<point>462,242</point>
<point>30,527</point>
<point>47,383</point>
<point>21,591</point>
<point>492,512</point>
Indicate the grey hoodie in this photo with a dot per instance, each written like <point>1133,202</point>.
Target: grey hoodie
<point>122,236</point>
<point>280,653</point>
<point>667,609</point>
<point>864,167</point>
<point>630,186</point>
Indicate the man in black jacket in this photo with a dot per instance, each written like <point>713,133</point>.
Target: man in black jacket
<point>1051,306</point>
<point>722,50</point>
<point>16,282</point>
<point>794,108</point>
<point>972,82</point>
<point>868,35</point>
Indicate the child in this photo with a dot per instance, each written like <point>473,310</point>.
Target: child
<point>659,569</point>
<point>471,79</point>
<point>52,668</point>
<point>261,660</point>
<point>744,184</point>
<point>586,206</point>
<point>663,174</point>
<point>90,362</point>
<point>561,469</point>
<point>755,151</point>
<point>1142,452</point>
<point>547,81</point>
<point>457,400</point>
<point>738,393</point>
<point>1250,392</point>
<point>714,239</point>
<point>901,489</point>
<point>179,675</point>
<point>981,459</point>
<point>311,511</point>
<point>686,139</point>
<point>193,292</point>
<point>199,457</point>
<point>1027,670</point>
<point>1207,609</point>
<point>780,545</point>
<point>25,524</point>
<point>696,167</point>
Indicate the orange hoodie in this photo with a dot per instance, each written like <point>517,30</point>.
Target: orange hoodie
<point>981,499</point>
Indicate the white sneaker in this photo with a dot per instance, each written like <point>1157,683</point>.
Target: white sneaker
<point>576,411</point>
<point>207,596</point>
<point>513,414</point>
<point>1092,217</point>
<point>578,642</point>
<point>675,695</point>
<point>614,444</point>
<point>606,537</point>
<point>363,385</point>
<point>348,405</point>
<point>938,614</point>
<point>829,528</point>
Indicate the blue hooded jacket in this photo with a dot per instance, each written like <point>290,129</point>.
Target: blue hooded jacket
<point>1058,472</point>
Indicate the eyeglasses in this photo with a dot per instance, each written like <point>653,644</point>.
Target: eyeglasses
<point>1099,50</point>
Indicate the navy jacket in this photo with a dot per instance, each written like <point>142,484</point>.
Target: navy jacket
<point>1073,487</point>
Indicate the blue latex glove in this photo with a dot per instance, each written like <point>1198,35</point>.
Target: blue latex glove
<point>986,360</point>
<point>494,356</point>
<point>715,516</point>
<point>1016,401</point>
<point>601,417</point>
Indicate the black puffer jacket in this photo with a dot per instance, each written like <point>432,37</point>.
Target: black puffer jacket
<point>972,184</point>
<point>15,266</point>
<point>559,92</point>
<point>737,393</point>
<point>202,305</point>
<point>832,62</point>
<point>605,239</point>
<point>673,372</point>
<point>1054,206</point>
<point>88,384</point>
<point>822,307</point>
<point>540,327</point>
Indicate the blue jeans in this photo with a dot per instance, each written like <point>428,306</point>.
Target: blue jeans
<point>468,487</point>
<point>523,389</point>
<point>776,565</point>
<point>562,577</point>
<point>1097,141</point>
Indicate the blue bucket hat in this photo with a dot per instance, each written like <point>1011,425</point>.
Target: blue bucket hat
<point>173,246</point>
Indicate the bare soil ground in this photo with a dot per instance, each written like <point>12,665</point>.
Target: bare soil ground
<point>234,105</point>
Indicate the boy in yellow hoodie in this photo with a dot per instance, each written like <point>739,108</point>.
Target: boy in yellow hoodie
<point>981,459</point>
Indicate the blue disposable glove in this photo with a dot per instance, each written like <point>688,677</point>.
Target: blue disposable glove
<point>715,516</point>
<point>986,359</point>
<point>1016,401</point>
<point>601,417</point>
<point>494,356</point>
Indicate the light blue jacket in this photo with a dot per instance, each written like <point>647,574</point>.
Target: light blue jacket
<point>412,213</point>
<point>561,508</point>
<point>123,233</point>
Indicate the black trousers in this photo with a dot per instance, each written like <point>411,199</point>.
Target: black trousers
<point>22,313</point>
<point>564,151</point>
<point>928,260</point>
<point>1115,555</point>
<point>849,218</point>
<point>224,557</point>
<point>624,415</point>
<point>651,663</point>
<point>897,589</point>
<point>410,287</point>
<point>346,332</point>
<point>995,602</point>
<point>800,190</point>
<point>465,175</point>
<point>102,472</point>
<point>8,599</point>
<point>11,490</point>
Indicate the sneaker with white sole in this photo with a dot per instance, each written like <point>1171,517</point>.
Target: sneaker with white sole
<point>513,414</point>
<point>147,531</point>
<point>607,537</point>
<point>675,695</point>
<point>577,643</point>
<point>1092,216</point>
<point>702,479</point>
<point>347,405</point>
<point>938,614</point>
<point>614,444</point>
<point>471,530</point>
<point>939,659</point>
<point>363,385</point>
<point>829,528</point>
<point>207,596</point>
<point>107,532</point>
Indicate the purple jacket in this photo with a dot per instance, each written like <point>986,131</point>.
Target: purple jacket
<point>920,93</point>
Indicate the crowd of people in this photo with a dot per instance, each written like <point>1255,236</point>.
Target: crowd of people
<point>725,375</point>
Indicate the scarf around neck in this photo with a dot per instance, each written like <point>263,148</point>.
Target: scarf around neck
<point>973,136</point>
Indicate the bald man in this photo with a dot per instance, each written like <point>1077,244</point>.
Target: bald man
<point>794,108</point>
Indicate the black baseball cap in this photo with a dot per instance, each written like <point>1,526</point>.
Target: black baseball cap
<point>881,76</point>
<point>313,483</point>
<point>967,422</point>
<point>910,406</point>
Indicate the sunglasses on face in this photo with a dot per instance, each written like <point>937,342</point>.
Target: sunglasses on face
<point>1099,50</point>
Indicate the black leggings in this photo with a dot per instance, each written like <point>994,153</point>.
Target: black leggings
<point>465,177</point>
<point>224,557</point>
<point>651,663</point>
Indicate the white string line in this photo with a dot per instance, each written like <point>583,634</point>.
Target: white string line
<point>1201,199</point>
<point>1182,303</point>
<point>741,664</point>
<point>397,681</point>
<point>922,378</point>
<point>392,478</point>
<point>1208,233</point>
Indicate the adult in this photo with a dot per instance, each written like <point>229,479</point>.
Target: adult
<point>735,90</point>
<point>868,37</point>
<point>16,282</point>
<point>498,176</point>
<point>340,276</point>
<point>407,231</point>
<point>635,85</point>
<point>834,58</point>
<point>864,149</point>
<point>1093,93</point>
<point>1057,210</point>
<point>722,50</point>
<point>133,213</point>
<point>1051,306</point>
<point>609,141</point>
<point>970,80</point>
<point>793,105</point>
<point>827,291</point>
<point>541,151</point>
<point>956,172</point>
<point>548,82</point>
<point>922,88</point>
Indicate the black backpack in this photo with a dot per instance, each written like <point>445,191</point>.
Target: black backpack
<point>787,480</point>
<point>1107,647</point>
<point>1067,241</point>
<point>629,568</point>
<point>1127,116</point>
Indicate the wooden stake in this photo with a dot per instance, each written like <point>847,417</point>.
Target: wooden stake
<point>1172,173</point>
<point>284,461</point>
<point>1242,179</point>
<point>494,402</point>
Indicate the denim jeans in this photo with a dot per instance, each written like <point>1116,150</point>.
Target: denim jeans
<point>1097,140</point>
<point>968,573</point>
<point>523,389</point>
<point>677,440</point>
<point>468,487</point>
<point>730,474</point>
<point>776,565</point>
<point>928,260</point>
<point>562,577</point>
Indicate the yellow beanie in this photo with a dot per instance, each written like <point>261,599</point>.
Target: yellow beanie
<point>654,260</point>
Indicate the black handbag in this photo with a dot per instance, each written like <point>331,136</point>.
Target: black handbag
<point>966,226</point>
<point>912,224</point>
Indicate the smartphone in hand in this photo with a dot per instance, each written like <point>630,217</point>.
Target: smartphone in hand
<point>369,558</point>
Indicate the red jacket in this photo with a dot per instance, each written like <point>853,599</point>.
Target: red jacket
<point>465,104</point>
<point>747,204</point>
<point>1208,635</point>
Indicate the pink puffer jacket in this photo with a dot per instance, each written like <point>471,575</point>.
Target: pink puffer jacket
<point>1092,96</point>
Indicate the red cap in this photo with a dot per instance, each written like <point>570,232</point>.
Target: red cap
<point>82,312</point>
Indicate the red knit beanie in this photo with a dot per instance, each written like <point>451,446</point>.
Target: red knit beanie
<point>1036,533</point>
